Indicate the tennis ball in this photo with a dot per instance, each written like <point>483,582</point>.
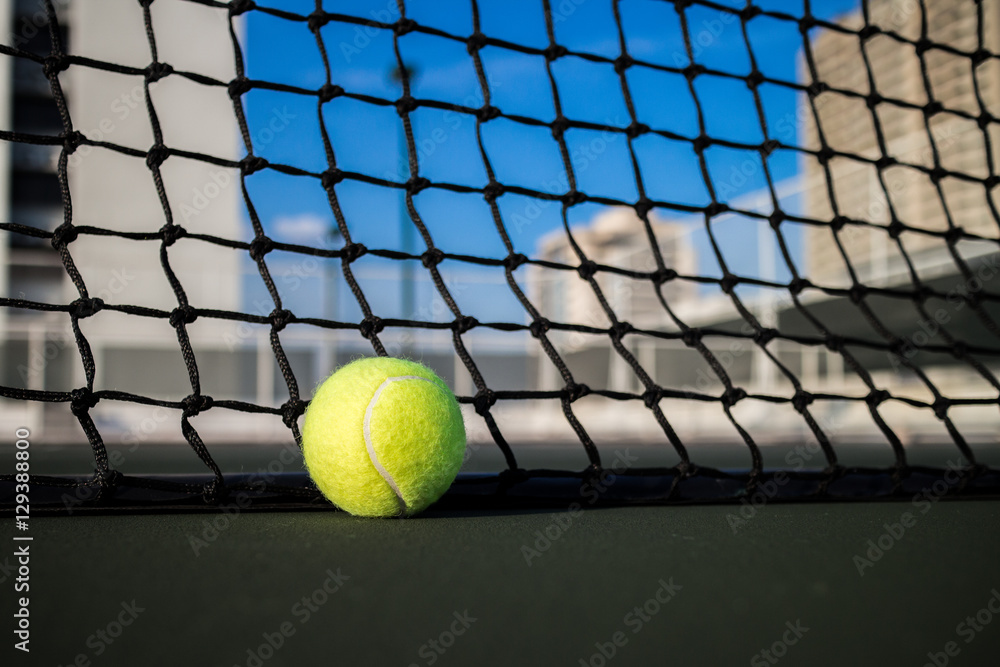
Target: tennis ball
<point>383,437</point>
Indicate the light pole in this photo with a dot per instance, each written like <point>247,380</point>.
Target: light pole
<point>326,354</point>
<point>406,286</point>
<point>334,236</point>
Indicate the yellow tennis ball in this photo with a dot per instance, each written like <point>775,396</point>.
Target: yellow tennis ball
<point>383,437</point>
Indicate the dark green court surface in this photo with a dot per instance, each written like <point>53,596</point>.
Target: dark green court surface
<point>808,584</point>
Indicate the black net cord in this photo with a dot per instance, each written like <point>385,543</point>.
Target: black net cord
<point>655,397</point>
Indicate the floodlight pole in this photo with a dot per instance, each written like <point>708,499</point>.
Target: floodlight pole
<point>762,368</point>
<point>326,355</point>
<point>406,287</point>
<point>331,278</point>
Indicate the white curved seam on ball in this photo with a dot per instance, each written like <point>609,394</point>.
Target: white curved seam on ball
<point>368,436</point>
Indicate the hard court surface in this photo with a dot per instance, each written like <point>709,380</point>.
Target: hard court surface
<point>624,586</point>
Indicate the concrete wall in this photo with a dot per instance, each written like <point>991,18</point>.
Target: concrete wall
<point>118,192</point>
<point>115,191</point>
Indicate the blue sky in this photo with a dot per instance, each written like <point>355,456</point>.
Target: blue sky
<point>367,138</point>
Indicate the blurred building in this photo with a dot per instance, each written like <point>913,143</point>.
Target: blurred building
<point>905,83</point>
<point>848,126</point>
<point>5,109</point>
<point>115,191</point>
<point>615,238</point>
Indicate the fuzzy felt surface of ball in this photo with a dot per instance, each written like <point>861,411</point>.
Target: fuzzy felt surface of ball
<point>383,437</point>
